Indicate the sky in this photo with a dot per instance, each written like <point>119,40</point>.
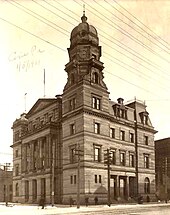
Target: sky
<point>35,35</point>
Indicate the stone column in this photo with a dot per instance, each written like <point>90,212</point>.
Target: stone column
<point>127,187</point>
<point>40,153</point>
<point>31,155</point>
<point>117,189</point>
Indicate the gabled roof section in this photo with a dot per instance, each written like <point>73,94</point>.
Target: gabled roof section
<point>40,105</point>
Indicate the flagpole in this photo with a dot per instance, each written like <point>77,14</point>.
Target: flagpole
<point>44,82</point>
<point>25,101</point>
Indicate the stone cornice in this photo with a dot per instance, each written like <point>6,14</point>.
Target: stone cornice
<point>108,117</point>
<point>49,125</point>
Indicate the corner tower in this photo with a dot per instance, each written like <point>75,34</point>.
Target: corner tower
<point>85,102</point>
<point>84,57</point>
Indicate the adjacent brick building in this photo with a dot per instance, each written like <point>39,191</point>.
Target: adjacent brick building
<point>59,145</point>
<point>162,168</point>
<point>5,184</point>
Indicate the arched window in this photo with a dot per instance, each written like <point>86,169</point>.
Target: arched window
<point>147,186</point>
<point>72,78</point>
<point>17,189</point>
<point>95,78</point>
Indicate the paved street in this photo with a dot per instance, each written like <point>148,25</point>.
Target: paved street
<point>135,209</point>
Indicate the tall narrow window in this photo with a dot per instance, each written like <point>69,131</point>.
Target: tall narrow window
<point>122,135</point>
<point>71,179</point>
<point>131,160</point>
<point>147,186</point>
<point>72,129</point>
<point>17,189</point>
<point>16,153</point>
<point>122,158</point>
<point>17,170</point>
<point>73,157</point>
<point>96,128</point>
<point>100,179</point>
<point>96,103</point>
<point>146,140</point>
<point>72,104</point>
<point>95,179</point>
<point>112,132</point>
<point>97,150</point>
<point>132,137</point>
<point>75,179</point>
<point>146,161</point>
<point>113,156</point>
<point>95,78</point>
<point>145,119</point>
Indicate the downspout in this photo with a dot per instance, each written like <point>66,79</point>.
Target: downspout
<point>136,152</point>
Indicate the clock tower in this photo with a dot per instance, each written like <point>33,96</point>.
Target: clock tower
<point>85,98</point>
<point>84,67</point>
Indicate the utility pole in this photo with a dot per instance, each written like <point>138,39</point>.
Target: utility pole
<point>166,176</point>
<point>6,184</point>
<point>78,153</point>
<point>107,161</point>
<point>136,152</point>
<point>53,172</point>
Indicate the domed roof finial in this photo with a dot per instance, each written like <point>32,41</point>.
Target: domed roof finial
<point>84,18</point>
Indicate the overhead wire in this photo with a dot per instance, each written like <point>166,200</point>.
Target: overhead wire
<point>14,3</point>
<point>152,78</point>
<point>145,60</point>
<point>124,32</point>
<point>28,32</point>
<point>140,22</point>
<point>126,50</point>
<point>122,53</point>
<point>125,80</point>
<point>52,12</point>
<point>59,9</point>
<point>52,44</point>
<point>99,17</point>
<point>137,26</point>
<point>116,50</point>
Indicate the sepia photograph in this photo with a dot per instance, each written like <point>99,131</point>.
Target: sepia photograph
<point>85,107</point>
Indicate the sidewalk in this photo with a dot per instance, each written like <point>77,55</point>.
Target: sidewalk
<point>65,209</point>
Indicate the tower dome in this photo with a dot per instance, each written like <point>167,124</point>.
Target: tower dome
<point>84,34</point>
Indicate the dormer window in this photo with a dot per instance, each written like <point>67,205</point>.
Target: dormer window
<point>144,117</point>
<point>120,111</point>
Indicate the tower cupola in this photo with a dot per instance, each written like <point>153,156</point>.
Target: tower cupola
<point>84,56</point>
<point>84,34</point>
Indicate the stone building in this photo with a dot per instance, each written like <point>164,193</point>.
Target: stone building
<point>59,145</point>
<point>162,168</point>
<point>5,184</point>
